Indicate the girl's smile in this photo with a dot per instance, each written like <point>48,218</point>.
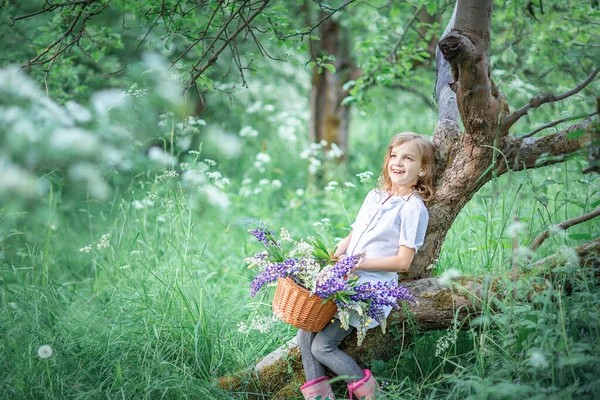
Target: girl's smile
<point>404,167</point>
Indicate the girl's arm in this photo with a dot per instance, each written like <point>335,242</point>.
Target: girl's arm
<point>342,246</point>
<point>399,263</point>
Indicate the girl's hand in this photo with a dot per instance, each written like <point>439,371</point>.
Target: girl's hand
<point>337,257</point>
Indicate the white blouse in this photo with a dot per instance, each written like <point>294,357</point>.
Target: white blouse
<point>383,224</point>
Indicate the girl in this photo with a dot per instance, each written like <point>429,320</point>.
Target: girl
<point>390,227</point>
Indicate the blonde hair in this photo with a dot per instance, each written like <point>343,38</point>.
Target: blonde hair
<point>424,186</point>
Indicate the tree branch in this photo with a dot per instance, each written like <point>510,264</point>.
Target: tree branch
<point>312,28</point>
<point>538,100</point>
<point>197,72</point>
<point>551,124</point>
<point>392,54</point>
<point>563,226</point>
<point>525,153</point>
<point>138,45</point>
<point>202,35</point>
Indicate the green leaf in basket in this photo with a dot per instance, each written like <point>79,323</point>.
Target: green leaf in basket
<point>321,254</point>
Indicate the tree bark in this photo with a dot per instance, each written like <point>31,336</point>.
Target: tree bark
<point>465,161</point>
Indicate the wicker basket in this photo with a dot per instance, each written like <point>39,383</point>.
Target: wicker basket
<point>297,307</point>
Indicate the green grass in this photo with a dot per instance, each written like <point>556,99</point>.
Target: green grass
<point>161,308</point>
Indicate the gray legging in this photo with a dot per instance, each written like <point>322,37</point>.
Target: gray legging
<point>321,349</point>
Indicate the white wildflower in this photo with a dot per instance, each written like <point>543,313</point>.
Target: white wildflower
<point>78,112</point>
<point>89,175</point>
<point>242,327</point>
<point>264,182</point>
<point>45,351</point>
<point>254,107</point>
<point>216,197</point>
<point>214,175</point>
<point>335,151</point>
<point>349,184</point>
<point>276,183</point>
<point>299,192</point>
<point>304,154</point>
<point>263,158</point>
<point>365,176</point>
<point>248,131</point>
<point>126,266</point>
<point>284,236</point>
<point>193,177</point>
<point>104,242</point>
<point>86,249</point>
<point>158,155</point>
<point>269,107</point>
<point>210,162</point>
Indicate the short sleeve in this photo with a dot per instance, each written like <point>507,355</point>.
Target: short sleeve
<point>414,218</point>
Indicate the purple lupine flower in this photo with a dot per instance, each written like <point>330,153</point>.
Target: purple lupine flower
<point>379,295</point>
<point>334,279</point>
<point>288,268</point>
<point>262,235</point>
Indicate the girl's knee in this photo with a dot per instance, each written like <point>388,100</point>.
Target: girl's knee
<point>321,347</point>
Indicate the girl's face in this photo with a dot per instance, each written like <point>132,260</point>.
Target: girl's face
<point>404,167</point>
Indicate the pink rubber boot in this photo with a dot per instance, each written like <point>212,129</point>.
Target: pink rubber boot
<point>318,389</point>
<point>364,389</point>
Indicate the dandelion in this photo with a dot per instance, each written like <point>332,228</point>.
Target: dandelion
<point>517,227</point>
<point>45,351</point>
<point>537,359</point>
<point>447,276</point>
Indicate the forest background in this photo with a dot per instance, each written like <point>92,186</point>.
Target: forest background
<point>139,139</point>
